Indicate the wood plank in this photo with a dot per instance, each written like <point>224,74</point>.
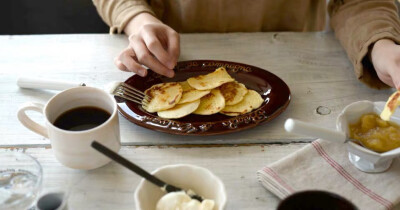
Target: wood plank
<point>112,187</point>
<point>313,64</point>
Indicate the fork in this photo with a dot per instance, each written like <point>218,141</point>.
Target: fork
<point>128,92</point>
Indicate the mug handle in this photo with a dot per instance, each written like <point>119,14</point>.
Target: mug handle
<point>28,122</point>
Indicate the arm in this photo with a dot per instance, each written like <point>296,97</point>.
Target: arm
<point>363,27</point>
<point>151,43</point>
<point>118,13</point>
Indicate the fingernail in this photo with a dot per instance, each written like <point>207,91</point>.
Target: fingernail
<point>171,65</point>
<point>142,72</point>
<point>170,74</point>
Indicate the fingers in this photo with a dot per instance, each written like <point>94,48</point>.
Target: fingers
<point>385,57</point>
<point>145,57</point>
<point>174,46</point>
<point>395,80</point>
<point>126,62</point>
<point>386,78</point>
<point>119,64</point>
<point>394,73</point>
<point>391,83</point>
<point>156,48</point>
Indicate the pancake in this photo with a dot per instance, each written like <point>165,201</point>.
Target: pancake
<point>162,96</point>
<point>252,100</point>
<point>185,86</point>
<point>190,94</point>
<point>233,92</point>
<point>211,103</point>
<point>179,110</point>
<point>211,80</point>
<point>390,107</point>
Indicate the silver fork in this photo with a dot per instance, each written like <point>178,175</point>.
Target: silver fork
<point>128,92</point>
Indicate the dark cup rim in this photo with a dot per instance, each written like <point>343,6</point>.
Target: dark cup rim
<point>307,193</point>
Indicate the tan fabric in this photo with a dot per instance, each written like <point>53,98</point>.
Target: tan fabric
<point>241,16</point>
<point>118,13</point>
<point>358,24</point>
<point>325,166</point>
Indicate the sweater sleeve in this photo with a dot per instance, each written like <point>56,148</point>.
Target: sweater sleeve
<point>358,24</point>
<point>118,13</point>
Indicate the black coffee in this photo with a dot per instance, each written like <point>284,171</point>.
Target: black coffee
<point>81,118</point>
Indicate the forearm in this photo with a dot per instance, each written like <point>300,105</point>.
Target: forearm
<point>138,21</point>
<point>377,45</point>
<point>118,13</point>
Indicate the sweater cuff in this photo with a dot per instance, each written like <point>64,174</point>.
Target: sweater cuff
<point>123,17</point>
<point>364,68</point>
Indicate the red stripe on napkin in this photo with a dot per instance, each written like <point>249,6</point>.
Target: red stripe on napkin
<point>351,179</point>
<point>274,175</point>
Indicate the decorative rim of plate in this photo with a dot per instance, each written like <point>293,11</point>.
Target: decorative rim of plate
<point>131,111</point>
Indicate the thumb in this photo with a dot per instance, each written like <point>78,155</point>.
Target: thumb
<point>396,83</point>
<point>395,77</point>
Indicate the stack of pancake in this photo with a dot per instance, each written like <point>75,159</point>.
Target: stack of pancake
<point>216,92</point>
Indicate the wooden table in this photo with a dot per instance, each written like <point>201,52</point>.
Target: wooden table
<point>314,66</point>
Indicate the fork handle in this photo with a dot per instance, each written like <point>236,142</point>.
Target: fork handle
<point>39,83</point>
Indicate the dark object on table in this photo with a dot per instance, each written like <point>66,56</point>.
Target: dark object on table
<point>52,201</point>
<point>315,200</point>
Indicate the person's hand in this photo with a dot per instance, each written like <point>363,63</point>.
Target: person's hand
<point>151,43</point>
<point>385,57</point>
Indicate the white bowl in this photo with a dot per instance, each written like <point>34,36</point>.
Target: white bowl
<point>185,176</point>
<point>363,158</point>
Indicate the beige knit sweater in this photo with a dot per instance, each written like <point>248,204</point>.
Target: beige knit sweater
<point>358,24</point>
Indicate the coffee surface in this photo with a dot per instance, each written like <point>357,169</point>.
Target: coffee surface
<point>81,118</point>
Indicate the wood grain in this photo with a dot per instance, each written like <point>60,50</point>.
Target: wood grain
<point>314,66</point>
<point>113,187</point>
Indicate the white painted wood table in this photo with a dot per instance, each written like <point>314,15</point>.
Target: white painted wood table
<point>313,65</point>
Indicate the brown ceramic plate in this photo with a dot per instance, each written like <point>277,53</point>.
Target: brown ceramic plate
<point>275,92</point>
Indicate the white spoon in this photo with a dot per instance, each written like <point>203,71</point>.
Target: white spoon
<point>308,129</point>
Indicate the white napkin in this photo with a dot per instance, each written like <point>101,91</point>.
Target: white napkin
<point>323,165</point>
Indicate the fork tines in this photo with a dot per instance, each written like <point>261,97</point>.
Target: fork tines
<point>130,93</point>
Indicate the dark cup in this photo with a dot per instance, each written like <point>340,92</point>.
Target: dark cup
<point>315,200</point>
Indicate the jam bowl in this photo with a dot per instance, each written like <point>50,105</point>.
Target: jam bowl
<point>363,158</point>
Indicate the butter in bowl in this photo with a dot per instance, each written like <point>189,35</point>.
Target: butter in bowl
<point>202,181</point>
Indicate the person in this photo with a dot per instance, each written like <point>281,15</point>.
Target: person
<point>369,30</point>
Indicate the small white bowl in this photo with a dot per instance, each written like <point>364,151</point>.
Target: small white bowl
<point>363,158</point>
<point>185,176</point>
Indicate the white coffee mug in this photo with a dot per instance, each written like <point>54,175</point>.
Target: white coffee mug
<point>72,148</point>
